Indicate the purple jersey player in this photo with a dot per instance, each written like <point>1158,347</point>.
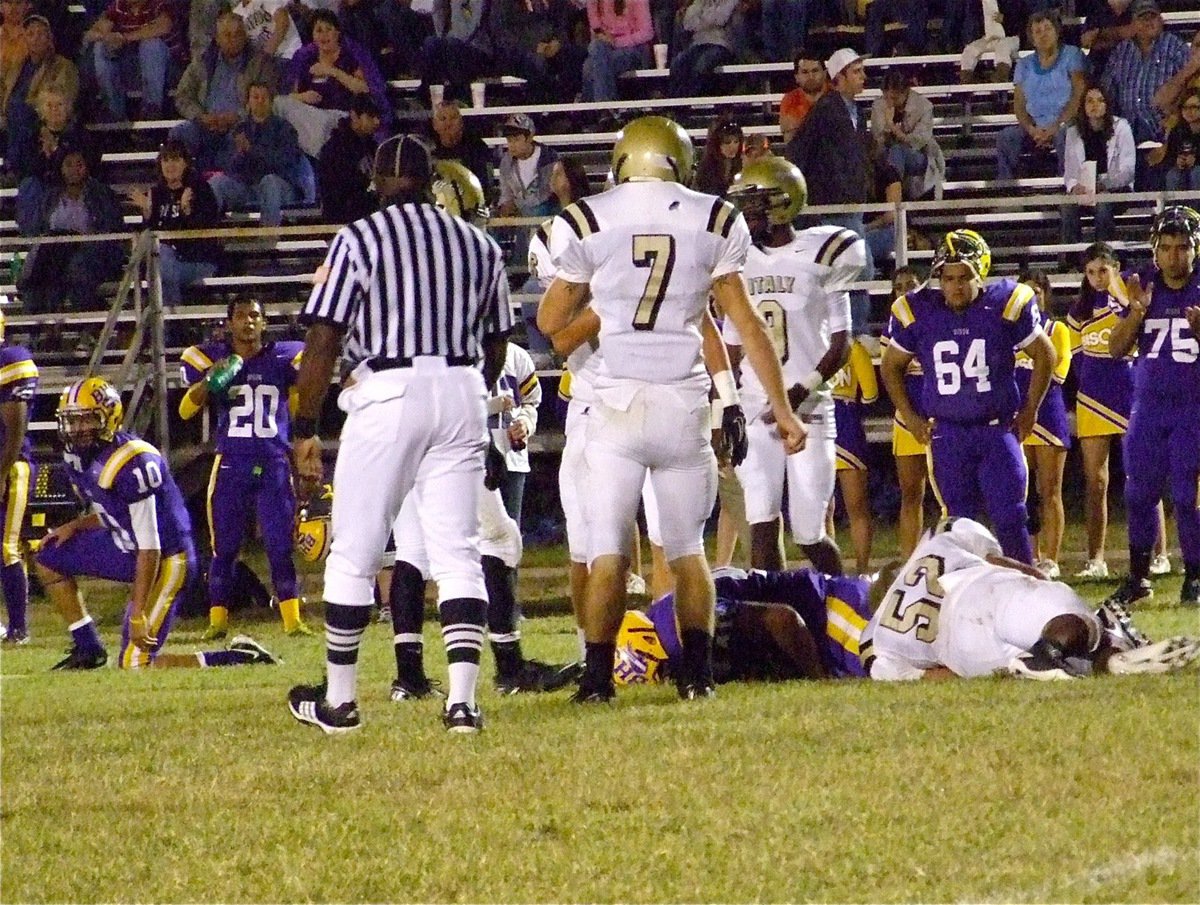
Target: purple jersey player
<point>18,381</point>
<point>137,532</point>
<point>1163,441</point>
<point>965,335</point>
<point>758,635</point>
<point>248,382</point>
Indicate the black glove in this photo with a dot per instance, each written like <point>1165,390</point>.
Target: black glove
<point>796,395</point>
<point>494,468</point>
<point>733,426</point>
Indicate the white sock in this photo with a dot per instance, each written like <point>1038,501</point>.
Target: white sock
<point>463,677</point>
<point>582,643</point>
<point>342,681</point>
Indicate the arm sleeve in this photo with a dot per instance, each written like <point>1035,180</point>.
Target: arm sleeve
<point>1060,337</point>
<point>733,250</point>
<point>864,371</point>
<point>194,364</point>
<point>144,517</point>
<point>339,285</point>
<point>567,254</point>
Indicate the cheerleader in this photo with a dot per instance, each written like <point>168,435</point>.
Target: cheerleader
<point>855,386</point>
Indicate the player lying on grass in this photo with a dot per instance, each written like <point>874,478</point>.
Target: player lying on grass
<point>957,607</point>
<point>137,532</point>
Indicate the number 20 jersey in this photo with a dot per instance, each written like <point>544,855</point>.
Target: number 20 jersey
<point>253,420</point>
<point>968,356</point>
<point>650,252</point>
<point>801,290</point>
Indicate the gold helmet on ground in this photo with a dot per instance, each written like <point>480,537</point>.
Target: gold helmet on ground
<point>774,182</point>
<point>89,413</point>
<point>652,147</point>
<point>457,191</point>
<point>313,533</point>
<point>640,654</point>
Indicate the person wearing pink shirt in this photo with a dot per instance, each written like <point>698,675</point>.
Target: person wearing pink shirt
<point>622,32</point>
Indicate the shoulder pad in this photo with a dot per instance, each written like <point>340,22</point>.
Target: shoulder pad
<point>581,218</point>
<point>18,365</point>
<point>120,457</point>
<point>721,218</point>
<point>902,311</point>
<point>1018,300</point>
<point>836,245</point>
<point>197,357</point>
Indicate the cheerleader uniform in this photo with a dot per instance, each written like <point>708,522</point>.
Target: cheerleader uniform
<point>854,386</point>
<point>1051,427</point>
<point>1105,395</point>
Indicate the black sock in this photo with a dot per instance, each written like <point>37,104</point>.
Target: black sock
<point>598,665</point>
<point>1139,564</point>
<point>697,656</point>
<point>502,615</point>
<point>407,601</point>
<point>1191,571</point>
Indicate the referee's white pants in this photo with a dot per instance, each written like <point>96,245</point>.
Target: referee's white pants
<point>499,535</point>
<point>809,474</point>
<point>421,427</point>
<point>666,433</point>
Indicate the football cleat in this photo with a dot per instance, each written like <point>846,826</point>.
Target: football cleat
<point>696,691</point>
<point>585,694</point>
<point>299,630</point>
<point>247,645</point>
<point>213,633</point>
<point>1093,570</point>
<point>536,676</point>
<point>1118,626</point>
<point>414,689</point>
<point>1189,593</point>
<point>385,615</point>
<point>308,705</point>
<point>1155,659</point>
<point>78,658</point>
<point>15,639</point>
<point>1049,568</point>
<point>640,654</point>
<point>462,718</point>
<point>1044,663</point>
<point>1131,591</point>
<point>1160,565</point>
<point>635,585</point>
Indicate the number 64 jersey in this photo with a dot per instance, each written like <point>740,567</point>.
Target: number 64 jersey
<point>949,606</point>
<point>253,421</point>
<point>650,252</point>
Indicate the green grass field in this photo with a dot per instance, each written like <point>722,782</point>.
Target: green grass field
<point>188,786</point>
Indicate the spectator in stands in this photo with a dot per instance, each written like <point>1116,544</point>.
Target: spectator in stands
<point>1107,24</point>
<point>263,159</point>
<point>831,148</point>
<point>402,32</point>
<point>755,146</point>
<point>1168,97</point>
<point>1048,86</point>
<point>902,125</point>
<point>1099,156</point>
<point>811,83</point>
<point>525,170</point>
<point>1003,43</point>
<point>132,36</point>
<point>269,26</point>
<point>78,205</point>
<point>58,131</point>
<point>463,47</point>
<point>202,24</point>
<point>347,164</point>
<point>722,157</point>
<point>14,48</point>
<point>179,200</point>
<point>323,77</point>
<point>358,22</point>
<point>43,70</point>
<point>622,33</point>
<point>212,92</point>
<point>887,188</point>
<point>453,140</point>
<point>710,24</point>
<point>913,14</point>
<point>1183,141</point>
<point>1139,66</point>
<point>538,48</point>
<point>784,28</point>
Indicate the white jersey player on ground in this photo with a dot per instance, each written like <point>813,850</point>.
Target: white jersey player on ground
<point>650,251</point>
<point>800,285</point>
<point>958,607</point>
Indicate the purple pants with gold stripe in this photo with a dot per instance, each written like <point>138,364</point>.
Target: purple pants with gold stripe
<point>852,447</point>
<point>93,554</point>
<point>980,467</point>
<point>1161,445</point>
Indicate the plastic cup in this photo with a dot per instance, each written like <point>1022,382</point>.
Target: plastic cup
<point>660,56</point>
<point>478,91</point>
<point>436,92</point>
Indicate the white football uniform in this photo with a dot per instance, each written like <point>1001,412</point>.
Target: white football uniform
<point>950,607</point>
<point>518,383</point>
<point>802,292</point>
<point>649,252</point>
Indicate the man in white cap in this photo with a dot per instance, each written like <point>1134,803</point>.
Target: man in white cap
<point>832,149</point>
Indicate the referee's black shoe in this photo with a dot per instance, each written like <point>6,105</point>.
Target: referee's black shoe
<point>536,676</point>
<point>308,705</point>
<point>587,694</point>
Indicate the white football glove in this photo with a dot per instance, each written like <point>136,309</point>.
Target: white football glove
<point>1162,657</point>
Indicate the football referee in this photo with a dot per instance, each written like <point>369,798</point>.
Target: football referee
<point>417,298</point>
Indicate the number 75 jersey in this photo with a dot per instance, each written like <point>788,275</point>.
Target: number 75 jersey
<point>650,252</point>
<point>253,420</point>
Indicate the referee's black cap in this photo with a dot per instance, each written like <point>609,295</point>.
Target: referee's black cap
<point>404,155</point>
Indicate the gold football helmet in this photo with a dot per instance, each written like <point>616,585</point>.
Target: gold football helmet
<point>652,147</point>
<point>313,532</point>
<point>640,653</point>
<point>964,246</point>
<point>457,191</point>
<point>774,182</point>
<point>89,413</point>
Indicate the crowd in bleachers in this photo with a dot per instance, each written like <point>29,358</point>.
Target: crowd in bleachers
<point>271,105</point>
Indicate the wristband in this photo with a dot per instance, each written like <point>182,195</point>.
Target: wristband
<point>726,388</point>
<point>718,413</point>
<point>304,428</point>
<point>812,380</point>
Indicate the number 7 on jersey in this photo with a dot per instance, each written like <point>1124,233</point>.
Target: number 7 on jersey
<point>655,251</point>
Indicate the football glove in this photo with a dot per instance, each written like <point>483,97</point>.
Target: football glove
<point>733,427</point>
<point>493,467</point>
<point>222,374</point>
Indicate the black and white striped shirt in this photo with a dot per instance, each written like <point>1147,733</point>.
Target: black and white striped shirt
<point>412,280</point>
